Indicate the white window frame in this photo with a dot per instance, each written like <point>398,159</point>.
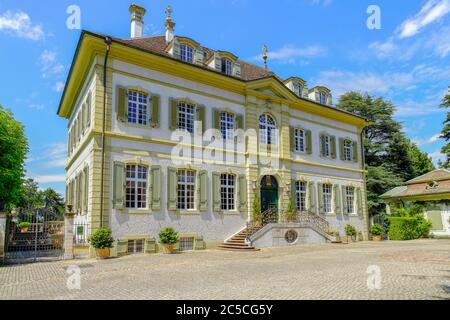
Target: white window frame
<point>186,53</point>
<point>186,183</point>
<point>322,97</point>
<point>227,123</point>
<point>298,89</point>
<point>137,112</point>
<point>301,188</point>
<point>327,141</point>
<point>348,150</point>
<point>300,140</point>
<point>327,194</point>
<point>136,178</point>
<point>186,117</point>
<point>228,191</point>
<point>227,66</point>
<point>350,199</point>
<point>267,129</point>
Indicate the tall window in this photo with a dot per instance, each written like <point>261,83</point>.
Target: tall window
<point>137,107</point>
<point>186,117</point>
<point>227,125</point>
<point>350,199</point>
<point>299,140</point>
<point>322,98</point>
<point>327,197</point>
<point>186,53</point>
<point>301,195</point>
<point>267,129</point>
<point>298,89</point>
<point>327,146</point>
<point>186,189</point>
<point>348,150</point>
<point>136,187</point>
<point>227,191</point>
<point>227,66</point>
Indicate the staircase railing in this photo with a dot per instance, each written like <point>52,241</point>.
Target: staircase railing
<point>307,218</point>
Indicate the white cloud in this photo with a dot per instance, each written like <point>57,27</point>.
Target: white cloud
<point>37,106</point>
<point>20,25</point>
<point>51,156</point>
<point>48,57</point>
<point>432,11</point>
<point>50,178</point>
<point>289,54</point>
<point>49,64</point>
<point>59,86</point>
<point>436,156</point>
<point>423,142</point>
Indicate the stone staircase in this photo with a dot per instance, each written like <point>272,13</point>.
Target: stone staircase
<point>237,242</point>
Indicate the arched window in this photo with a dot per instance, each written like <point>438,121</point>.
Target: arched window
<point>267,129</point>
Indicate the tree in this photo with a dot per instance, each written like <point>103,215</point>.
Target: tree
<point>53,199</point>
<point>13,150</point>
<point>31,197</point>
<point>445,133</point>
<point>421,162</point>
<point>379,181</point>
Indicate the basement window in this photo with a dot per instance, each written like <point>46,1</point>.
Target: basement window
<point>186,243</point>
<point>135,246</point>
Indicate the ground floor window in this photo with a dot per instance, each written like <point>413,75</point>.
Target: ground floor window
<point>301,196</point>
<point>227,190</point>
<point>136,187</point>
<point>350,200</point>
<point>327,197</point>
<point>186,189</point>
<point>135,246</point>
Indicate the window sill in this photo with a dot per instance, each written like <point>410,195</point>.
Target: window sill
<point>187,212</point>
<point>137,126</point>
<point>135,211</point>
<point>229,213</point>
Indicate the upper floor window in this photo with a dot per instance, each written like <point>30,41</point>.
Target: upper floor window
<point>350,200</point>
<point>136,187</point>
<point>322,98</point>
<point>327,146</point>
<point>137,107</point>
<point>227,191</point>
<point>348,150</point>
<point>227,125</point>
<point>300,140</point>
<point>227,66</point>
<point>186,189</point>
<point>298,89</point>
<point>267,129</point>
<point>186,53</point>
<point>327,197</point>
<point>186,113</point>
<point>301,195</point>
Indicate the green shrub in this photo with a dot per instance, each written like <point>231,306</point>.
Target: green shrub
<point>291,210</point>
<point>256,210</point>
<point>168,236</point>
<point>24,225</point>
<point>408,228</point>
<point>350,231</point>
<point>377,230</point>
<point>102,239</point>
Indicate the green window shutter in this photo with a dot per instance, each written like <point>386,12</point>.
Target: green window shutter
<point>89,109</point>
<point>173,114</point>
<point>119,185</point>
<point>201,117</point>
<point>198,55</point>
<point>341,149</point>
<point>82,191</point>
<point>435,217</point>
<point>355,151</point>
<point>311,197</point>
<point>292,138</point>
<point>83,117</point>
<point>344,200</point>
<point>322,145</point>
<point>155,106</point>
<point>236,69</point>
<point>122,104</point>
<point>320,193</point>
<point>216,119</point>
<point>69,142</point>
<point>176,49</point>
<point>337,199</point>
<point>308,137</point>
<point>86,188</point>
<point>358,194</point>
<point>203,197</point>
<point>172,189</point>
<point>240,121</point>
<point>333,147</point>
<point>294,192</point>
<point>216,192</point>
<point>242,192</point>
<point>156,188</point>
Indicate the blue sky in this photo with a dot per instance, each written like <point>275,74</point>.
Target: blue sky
<point>325,42</point>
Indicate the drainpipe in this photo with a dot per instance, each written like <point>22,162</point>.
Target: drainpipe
<point>108,42</point>
<point>363,160</point>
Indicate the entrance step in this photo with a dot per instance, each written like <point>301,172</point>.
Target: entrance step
<point>237,243</point>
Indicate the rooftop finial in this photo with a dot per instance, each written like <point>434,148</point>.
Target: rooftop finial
<point>169,12</point>
<point>170,25</point>
<point>265,55</point>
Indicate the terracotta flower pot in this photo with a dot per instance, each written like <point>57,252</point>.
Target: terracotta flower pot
<point>168,248</point>
<point>24,230</point>
<point>102,253</point>
<point>377,238</point>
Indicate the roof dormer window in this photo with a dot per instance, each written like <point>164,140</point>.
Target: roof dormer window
<point>298,89</point>
<point>186,53</point>
<point>322,98</point>
<point>227,66</point>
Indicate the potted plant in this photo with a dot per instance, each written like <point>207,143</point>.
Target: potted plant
<point>376,231</point>
<point>102,241</point>
<point>168,238</point>
<point>256,211</point>
<point>291,211</point>
<point>24,226</point>
<point>350,232</point>
<point>333,234</point>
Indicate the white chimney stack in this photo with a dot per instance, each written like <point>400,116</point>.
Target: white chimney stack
<point>137,21</point>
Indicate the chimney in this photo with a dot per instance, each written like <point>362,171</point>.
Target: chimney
<point>137,21</point>
<point>170,25</point>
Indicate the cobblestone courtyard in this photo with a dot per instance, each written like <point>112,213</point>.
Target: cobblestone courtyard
<point>409,270</point>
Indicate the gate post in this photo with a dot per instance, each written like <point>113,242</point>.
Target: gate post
<point>2,235</point>
<point>69,218</point>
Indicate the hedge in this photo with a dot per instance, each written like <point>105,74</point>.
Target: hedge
<point>408,228</point>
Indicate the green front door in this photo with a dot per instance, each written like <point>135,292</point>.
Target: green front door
<point>269,194</point>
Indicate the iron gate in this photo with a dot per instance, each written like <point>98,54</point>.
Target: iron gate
<point>34,235</point>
